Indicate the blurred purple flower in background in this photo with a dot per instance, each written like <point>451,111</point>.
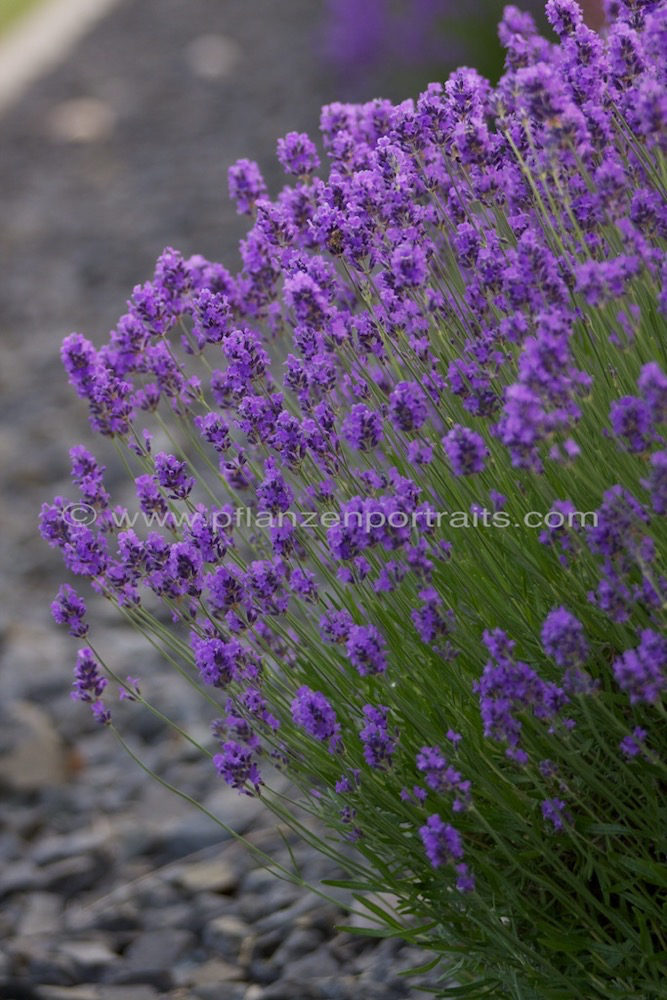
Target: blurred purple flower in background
<point>362,37</point>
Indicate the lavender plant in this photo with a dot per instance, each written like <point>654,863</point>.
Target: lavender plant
<point>410,491</point>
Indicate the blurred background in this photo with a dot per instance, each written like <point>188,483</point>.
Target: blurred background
<point>118,121</point>
<point>404,44</point>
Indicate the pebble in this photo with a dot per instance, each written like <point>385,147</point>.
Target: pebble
<point>82,119</point>
<point>225,935</point>
<point>284,916</point>
<point>213,56</point>
<point>214,876</point>
<point>42,914</point>
<point>302,941</point>
<point>39,961</point>
<point>208,973</point>
<point>89,957</point>
<point>211,991</point>
<point>124,917</point>
<point>262,896</point>
<point>71,876</point>
<point>151,958</point>
<point>139,992</point>
<point>175,915</point>
<point>69,993</point>
<point>315,964</point>
<point>56,847</point>
<point>36,757</point>
<point>20,877</point>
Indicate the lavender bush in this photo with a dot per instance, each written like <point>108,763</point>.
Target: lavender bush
<point>409,473</point>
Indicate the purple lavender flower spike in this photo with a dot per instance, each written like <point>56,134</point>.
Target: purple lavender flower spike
<point>564,16</point>
<point>70,609</point>
<point>88,476</point>
<point>408,266</point>
<point>442,778</point>
<point>407,406</point>
<point>632,423</point>
<point>212,317</point>
<point>365,648</point>
<point>298,154</point>
<point>362,428</point>
<point>657,482</point>
<point>214,430</point>
<point>555,812</point>
<point>335,626</point>
<point>101,713</point>
<point>348,782</point>
<point>634,744</point>
<point>274,494</point>
<point>88,681</point>
<point>563,638</point>
<point>466,880</point>
<point>150,499</point>
<point>465,450</point>
<point>652,384</point>
<point>642,672</point>
<point>236,764</point>
<point>80,361</point>
<point>246,185</point>
<point>172,476</point>
<point>379,746</point>
<point>312,711</point>
<point>441,841</point>
<point>218,662</point>
<point>508,687</point>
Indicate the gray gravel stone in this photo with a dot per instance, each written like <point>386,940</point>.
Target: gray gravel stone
<point>32,754</point>
<point>263,972</point>
<point>68,993</point>
<point>71,876</point>
<point>262,895</point>
<point>301,941</point>
<point>225,936</point>
<point>314,965</point>
<point>139,992</point>
<point>56,847</point>
<point>38,961</point>
<point>212,991</point>
<point>186,836</point>
<point>288,989</point>
<point>21,876</point>
<point>215,876</point>
<point>338,988</point>
<point>152,956</point>
<point>284,916</point>
<point>42,914</point>
<point>175,915</point>
<point>125,917</point>
<point>90,958</point>
<point>208,973</point>
<point>160,979</point>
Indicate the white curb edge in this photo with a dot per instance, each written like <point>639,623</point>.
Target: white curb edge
<point>43,38</point>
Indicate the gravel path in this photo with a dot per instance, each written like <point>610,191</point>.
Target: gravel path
<point>110,887</point>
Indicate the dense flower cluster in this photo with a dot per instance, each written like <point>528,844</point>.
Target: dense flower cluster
<point>465,310</point>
